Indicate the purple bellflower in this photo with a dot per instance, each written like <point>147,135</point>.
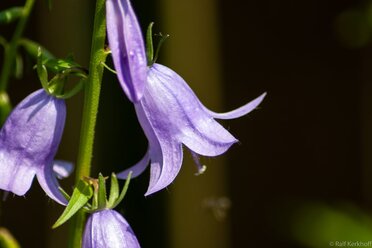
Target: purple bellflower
<point>171,115</point>
<point>29,141</point>
<point>108,229</point>
<point>127,47</point>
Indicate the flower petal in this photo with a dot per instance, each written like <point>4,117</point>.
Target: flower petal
<point>239,112</point>
<point>107,228</point>
<point>166,161</point>
<point>172,107</point>
<point>48,181</point>
<point>29,141</point>
<point>14,177</point>
<point>127,47</point>
<point>164,151</point>
<point>136,169</point>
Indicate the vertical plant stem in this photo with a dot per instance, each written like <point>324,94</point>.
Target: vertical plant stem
<point>90,109</point>
<point>11,48</point>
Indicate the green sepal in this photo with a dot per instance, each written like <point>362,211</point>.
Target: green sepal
<point>123,192</point>
<point>56,84</point>
<point>82,193</point>
<point>102,200</point>
<point>161,41</point>
<point>76,89</point>
<point>7,240</point>
<point>42,71</point>
<point>114,190</point>
<point>10,15</point>
<point>149,45</point>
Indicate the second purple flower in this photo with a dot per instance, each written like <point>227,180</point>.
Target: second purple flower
<point>29,141</point>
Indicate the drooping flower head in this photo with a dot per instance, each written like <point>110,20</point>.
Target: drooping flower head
<point>107,228</point>
<point>127,47</point>
<point>171,115</point>
<point>29,141</point>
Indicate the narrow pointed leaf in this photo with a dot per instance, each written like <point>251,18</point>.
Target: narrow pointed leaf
<point>114,190</point>
<point>101,192</point>
<point>80,196</point>
<point>10,15</point>
<point>124,191</point>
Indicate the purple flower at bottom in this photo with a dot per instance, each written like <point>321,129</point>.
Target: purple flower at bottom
<point>171,115</point>
<point>108,229</point>
<point>29,141</point>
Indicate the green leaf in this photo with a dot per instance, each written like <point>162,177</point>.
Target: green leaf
<point>114,190</point>
<point>101,192</point>
<point>10,15</point>
<point>149,45</point>
<point>124,191</point>
<point>80,196</point>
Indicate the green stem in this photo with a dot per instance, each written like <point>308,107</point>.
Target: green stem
<point>11,49</point>
<point>90,109</point>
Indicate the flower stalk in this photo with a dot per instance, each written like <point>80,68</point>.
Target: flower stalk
<point>90,109</point>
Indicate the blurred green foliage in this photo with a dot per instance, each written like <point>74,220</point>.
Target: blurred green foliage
<point>317,225</point>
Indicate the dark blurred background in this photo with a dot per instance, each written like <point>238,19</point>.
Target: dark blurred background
<point>301,174</point>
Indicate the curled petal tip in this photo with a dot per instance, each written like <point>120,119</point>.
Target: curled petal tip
<point>239,112</point>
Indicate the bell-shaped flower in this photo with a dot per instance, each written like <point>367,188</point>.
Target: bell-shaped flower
<point>127,47</point>
<point>108,229</point>
<point>29,141</point>
<point>171,115</point>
